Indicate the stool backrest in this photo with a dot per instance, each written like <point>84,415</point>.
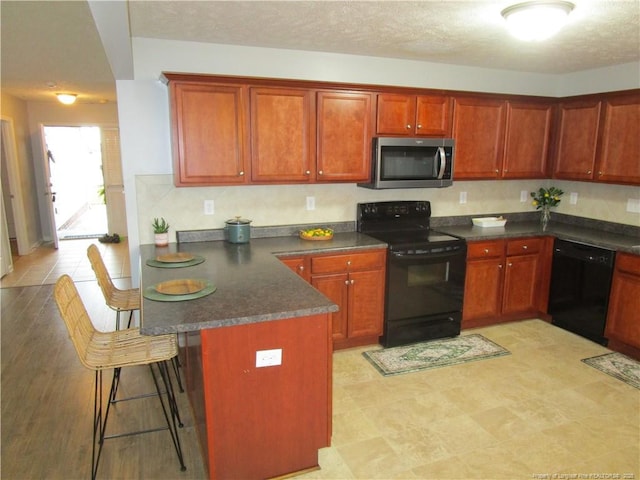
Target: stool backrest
<point>102,274</point>
<point>75,316</point>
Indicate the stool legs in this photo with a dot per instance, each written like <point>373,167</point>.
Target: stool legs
<point>100,417</point>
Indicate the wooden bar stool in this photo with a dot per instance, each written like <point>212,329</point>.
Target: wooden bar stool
<point>99,351</point>
<point>120,300</point>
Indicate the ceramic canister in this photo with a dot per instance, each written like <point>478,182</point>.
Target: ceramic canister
<point>237,230</point>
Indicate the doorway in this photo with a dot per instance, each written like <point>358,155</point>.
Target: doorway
<point>74,159</point>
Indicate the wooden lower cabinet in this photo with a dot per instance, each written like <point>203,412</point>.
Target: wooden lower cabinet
<point>506,280</point>
<point>355,281</point>
<point>261,422</point>
<point>623,323</point>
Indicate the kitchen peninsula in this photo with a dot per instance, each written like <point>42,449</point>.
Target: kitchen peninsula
<point>253,422</point>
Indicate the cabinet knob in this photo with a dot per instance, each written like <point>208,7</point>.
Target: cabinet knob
<point>301,267</point>
<point>408,126</point>
<point>486,250</point>
<point>419,126</point>
<point>500,266</point>
<point>352,282</point>
<point>346,282</point>
<point>348,262</point>
<point>320,172</point>
<point>497,170</point>
<point>600,173</point>
<point>308,172</point>
<point>510,264</point>
<point>589,172</point>
<point>241,173</point>
<point>524,247</point>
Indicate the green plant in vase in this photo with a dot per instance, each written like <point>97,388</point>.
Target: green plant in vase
<point>543,200</point>
<point>161,229</point>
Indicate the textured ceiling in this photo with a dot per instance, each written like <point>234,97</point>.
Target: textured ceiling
<point>58,42</point>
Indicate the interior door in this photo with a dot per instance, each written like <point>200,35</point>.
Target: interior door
<point>6,263</point>
<point>49,190</point>
<point>113,182</point>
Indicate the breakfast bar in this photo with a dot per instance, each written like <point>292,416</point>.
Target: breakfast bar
<point>255,352</point>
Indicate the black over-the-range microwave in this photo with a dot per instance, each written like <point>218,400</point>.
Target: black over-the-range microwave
<point>399,162</point>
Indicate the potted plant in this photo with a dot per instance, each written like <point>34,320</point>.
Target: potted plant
<point>161,229</point>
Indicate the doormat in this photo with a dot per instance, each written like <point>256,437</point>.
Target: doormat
<point>617,365</point>
<point>434,354</point>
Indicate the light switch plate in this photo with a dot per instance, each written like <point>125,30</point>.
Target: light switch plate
<point>633,205</point>
<point>463,198</point>
<point>311,203</point>
<point>209,208</point>
<point>524,195</point>
<point>573,198</point>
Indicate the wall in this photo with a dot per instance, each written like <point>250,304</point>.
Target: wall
<point>16,110</point>
<point>54,113</point>
<point>146,149</point>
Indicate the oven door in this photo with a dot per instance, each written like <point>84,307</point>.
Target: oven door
<point>424,295</point>
<point>425,284</point>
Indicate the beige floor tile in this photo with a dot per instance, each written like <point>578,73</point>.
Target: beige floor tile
<point>373,458</point>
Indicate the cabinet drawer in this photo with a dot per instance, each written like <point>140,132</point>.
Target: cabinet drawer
<point>492,249</point>
<point>348,262</point>
<point>626,262</point>
<point>524,246</point>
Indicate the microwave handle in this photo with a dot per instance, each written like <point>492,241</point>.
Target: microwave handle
<point>443,160</point>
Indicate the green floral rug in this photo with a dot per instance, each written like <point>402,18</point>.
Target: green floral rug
<point>617,365</point>
<point>434,354</point>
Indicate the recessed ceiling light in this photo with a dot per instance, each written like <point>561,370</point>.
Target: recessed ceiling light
<point>537,20</point>
<point>66,98</point>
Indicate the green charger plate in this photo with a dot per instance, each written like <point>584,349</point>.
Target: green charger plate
<point>152,262</point>
<point>152,294</point>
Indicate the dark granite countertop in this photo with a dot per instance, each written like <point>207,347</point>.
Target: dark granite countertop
<point>252,284</point>
<point>565,231</point>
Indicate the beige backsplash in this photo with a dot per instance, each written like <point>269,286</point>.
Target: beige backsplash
<point>268,205</point>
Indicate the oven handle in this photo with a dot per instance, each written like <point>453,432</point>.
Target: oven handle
<point>443,158</point>
<point>425,256</point>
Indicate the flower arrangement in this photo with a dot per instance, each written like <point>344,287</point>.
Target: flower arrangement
<point>546,197</point>
<point>160,225</point>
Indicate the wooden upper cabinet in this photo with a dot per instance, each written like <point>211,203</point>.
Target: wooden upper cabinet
<point>208,133</point>
<point>282,135</point>
<point>619,152</point>
<point>409,115</point>
<point>478,130</point>
<point>578,125</point>
<point>344,136</point>
<point>527,139</point>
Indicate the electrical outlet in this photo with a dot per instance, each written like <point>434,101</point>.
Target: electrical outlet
<point>633,205</point>
<point>573,198</point>
<point>311,203</point>
<point>268,358</point>
<point>209,207</point>
<point>463,198</point>
<point>524,195</point>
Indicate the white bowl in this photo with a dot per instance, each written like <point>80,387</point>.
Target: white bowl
<point>489,222</point>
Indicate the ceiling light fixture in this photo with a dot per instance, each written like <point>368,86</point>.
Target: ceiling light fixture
<point>66,98</point>
<point>536,20</point>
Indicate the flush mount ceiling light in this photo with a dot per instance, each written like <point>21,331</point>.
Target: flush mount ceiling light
<point>536,20</point>
<point>66,98</point>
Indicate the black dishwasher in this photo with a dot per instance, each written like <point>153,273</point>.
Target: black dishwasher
<point>580,283</point>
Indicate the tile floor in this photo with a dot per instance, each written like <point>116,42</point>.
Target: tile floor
<point>537,413</point>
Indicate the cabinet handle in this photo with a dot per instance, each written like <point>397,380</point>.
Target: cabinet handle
<point>241,173</point>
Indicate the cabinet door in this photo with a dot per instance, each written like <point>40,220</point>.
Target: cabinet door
<point>282,141</point>
<point>624,301</point>
<point>344,137</point>
<point>366,303</point>
<point>527,135</point>
<point>208,128</point>
<point>577,138</point>
<point>478,128</point>
<point>433,115</point>
<point>335,288</point>
<point>395,114</point>
<point>520,284</point>
<point>619,159</point>
<point>482,289</point>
